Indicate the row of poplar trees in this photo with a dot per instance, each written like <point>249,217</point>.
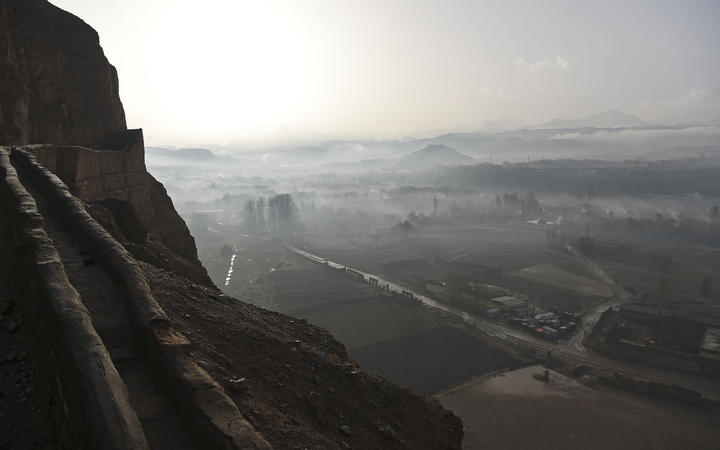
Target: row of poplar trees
<point>277,214</point>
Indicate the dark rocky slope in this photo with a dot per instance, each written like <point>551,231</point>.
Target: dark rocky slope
<point>293,381</point>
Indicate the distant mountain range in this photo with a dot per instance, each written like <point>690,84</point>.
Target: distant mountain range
<point>607,119</point>
<point>685,151</point>
<point>431,156</point>
<point>611,135</point>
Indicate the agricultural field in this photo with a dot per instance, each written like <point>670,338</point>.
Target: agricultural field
<point>558,278</point>
<point>708,260</point>
<point>392,335</point>
<point>518,252</point>
<point>680,250</point>
<point>368,321</point>
<point>387,334</point>
<point>256,258</point>
<point>300,290</point>
<point>507,248</point>
<point>355,313</point>
<point>434,359</point>
<point>647,280</point>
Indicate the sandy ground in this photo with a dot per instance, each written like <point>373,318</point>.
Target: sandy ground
<point>514,411</point>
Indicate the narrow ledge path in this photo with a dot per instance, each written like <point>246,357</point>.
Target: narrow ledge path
<point>161,424</point>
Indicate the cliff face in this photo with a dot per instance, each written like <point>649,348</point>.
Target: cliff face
<point>291,380</point>
<point>56,85</point>
<point>128,201</point>
<point>58,89</point>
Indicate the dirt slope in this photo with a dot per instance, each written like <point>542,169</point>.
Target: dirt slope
<point>299,390</point>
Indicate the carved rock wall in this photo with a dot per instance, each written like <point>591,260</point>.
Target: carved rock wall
<point>118,182</point>
<point>98,175</point>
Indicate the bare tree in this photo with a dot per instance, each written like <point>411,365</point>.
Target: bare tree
<point>260,207</point>
<point>282,214</point>
<point>250,213</point>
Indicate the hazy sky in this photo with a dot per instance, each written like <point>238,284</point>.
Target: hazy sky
<point>245,73</point>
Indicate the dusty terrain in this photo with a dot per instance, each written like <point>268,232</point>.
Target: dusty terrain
<point>526,413</point>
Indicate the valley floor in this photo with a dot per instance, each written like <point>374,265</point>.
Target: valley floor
<point>524,413</point>
<point>432,353</point>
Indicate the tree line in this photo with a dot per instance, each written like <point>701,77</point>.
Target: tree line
<point>277,214</point>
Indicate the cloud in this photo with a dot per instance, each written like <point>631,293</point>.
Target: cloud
<point>556,63</point>
<point>653,143</point>
<point>562,63</point>
<point>690,135</point>
<point>696,105</point>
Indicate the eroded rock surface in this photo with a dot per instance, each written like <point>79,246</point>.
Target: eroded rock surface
<point>299,388</point>
<point>56,85</point>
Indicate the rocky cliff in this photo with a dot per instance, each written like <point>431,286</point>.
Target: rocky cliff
<point>60,94</point>
<point>127,200</point>
<point>291,381</point>
<point>55,83</point>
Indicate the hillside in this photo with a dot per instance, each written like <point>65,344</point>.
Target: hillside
<point>432,156</point>
<point>182,154</point>
<point>606,119</point>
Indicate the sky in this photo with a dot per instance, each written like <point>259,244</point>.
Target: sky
<point>243,74</point>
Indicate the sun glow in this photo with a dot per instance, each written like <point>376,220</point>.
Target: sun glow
<point>255,72</point>
<point>250,66</point>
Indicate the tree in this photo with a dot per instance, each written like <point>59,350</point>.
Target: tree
<point>260,207</point>
<point>404,227</point>
<point>590,190</point>
<point>282,213</point>
<point>250,213</point>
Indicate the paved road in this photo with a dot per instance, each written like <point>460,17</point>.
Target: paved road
<point>572,351</point>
